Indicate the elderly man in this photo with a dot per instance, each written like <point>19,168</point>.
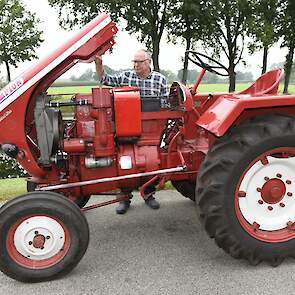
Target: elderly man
<point>151,84</point>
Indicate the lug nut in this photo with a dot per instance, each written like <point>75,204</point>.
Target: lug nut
<point>288,181</point>
<point>260,202</point>
<point>36,232</point>
<point>269,208</point>
<point>289,194</point>
<point>48,237</point>
<point>258,189</point>
<point>282,204</point>
<point>30,243</point>
<point>241,194</point>
<point>266,178</point>
<point>264,161</point>
<point>255,226</point>
<point>279,175</point>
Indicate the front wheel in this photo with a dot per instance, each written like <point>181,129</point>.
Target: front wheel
<point>80,202</point>
<point>43,236</point>
<point>246,192</point>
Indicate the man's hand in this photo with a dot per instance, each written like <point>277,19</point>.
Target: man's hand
<point>98,65</point>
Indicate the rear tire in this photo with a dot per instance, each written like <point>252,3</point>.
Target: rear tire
<point>82,201</point>
<point>186,188</point>
<point>43,236</point>
<point>244,194</point>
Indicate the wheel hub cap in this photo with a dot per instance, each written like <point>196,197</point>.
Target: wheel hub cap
<point>273,191</point>
<point>39,238</point>
<point>39,241</point>
<point>265,193</point>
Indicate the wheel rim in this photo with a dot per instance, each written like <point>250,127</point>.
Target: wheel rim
<point>265,196</point>
<point>38,241</point>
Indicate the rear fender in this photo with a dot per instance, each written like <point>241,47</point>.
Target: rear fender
<point>222,114</point>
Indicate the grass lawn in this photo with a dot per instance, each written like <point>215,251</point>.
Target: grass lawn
<point>10,188</point>
<point>202,88</point>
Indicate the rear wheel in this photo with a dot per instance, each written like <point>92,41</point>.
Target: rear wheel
<point>246,193</point>
<point>186,188</point>
<point>82,201</point>
<point>43,236</point>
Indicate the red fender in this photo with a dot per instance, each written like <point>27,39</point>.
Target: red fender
<point>221,115</point>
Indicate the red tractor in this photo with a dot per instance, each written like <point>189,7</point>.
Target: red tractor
<point>231,153</point>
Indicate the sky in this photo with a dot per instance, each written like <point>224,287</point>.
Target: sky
<point>170,55</point>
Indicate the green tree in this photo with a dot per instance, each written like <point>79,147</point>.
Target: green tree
<point>244,76</point>
<point>287,31</point>
<point>2,83</point>
<point>88,75</point>
<point>191,76</point>
<point>170,76</point>
<point>263,27</point>
<point>19,35</point>
<point>146,19</point>
<point>186,23</point>
<point>225,30</point>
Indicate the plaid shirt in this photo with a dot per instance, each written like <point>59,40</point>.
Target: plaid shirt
<point>154,85</point>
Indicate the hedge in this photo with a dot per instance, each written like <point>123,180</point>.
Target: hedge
<point>9,168</point>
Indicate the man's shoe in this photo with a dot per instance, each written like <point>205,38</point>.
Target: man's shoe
<point>123,207</point>
<point>152,203</point>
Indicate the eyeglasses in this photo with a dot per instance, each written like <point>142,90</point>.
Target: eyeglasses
<point>139,61</point>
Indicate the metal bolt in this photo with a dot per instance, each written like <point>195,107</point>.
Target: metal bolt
<point>288,181</point>
<point>266,178</point>
<point>255,226</point>
<point>241,194</point>
<point>30,243</point>
<point>282,204</point>
<point>269,208</point>
<point>289,194</point>
<point>48,237</point>
<point>290,225</point>
<point>260,202</point>
<point>264,161</point>
<point>279,175</point>
<point>258,189</point>
<point>36,232</point>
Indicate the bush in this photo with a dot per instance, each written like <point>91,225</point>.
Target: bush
<point>9,168</point>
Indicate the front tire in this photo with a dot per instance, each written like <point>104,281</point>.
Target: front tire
<point>80,202</point>
<point>245,193</point>
<point>43,236</point>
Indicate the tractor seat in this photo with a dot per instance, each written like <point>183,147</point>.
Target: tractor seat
<point>268,83</point>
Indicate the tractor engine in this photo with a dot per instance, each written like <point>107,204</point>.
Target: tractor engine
<point>109,138</point>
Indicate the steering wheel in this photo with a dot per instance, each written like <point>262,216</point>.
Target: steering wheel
<point>198,59</point>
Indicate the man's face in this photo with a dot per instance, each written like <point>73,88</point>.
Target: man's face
<point>141,63</point>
